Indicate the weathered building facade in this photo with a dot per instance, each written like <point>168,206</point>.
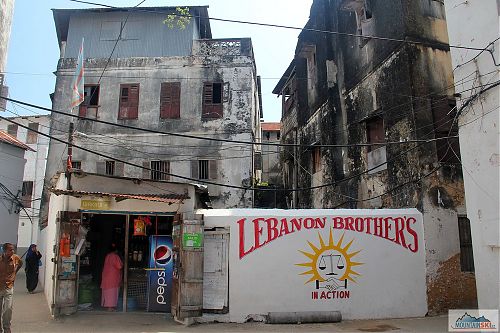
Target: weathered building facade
<point>141,73</point>
<point>11,185</point>
<point>34,172</point>
<point>385,102</point>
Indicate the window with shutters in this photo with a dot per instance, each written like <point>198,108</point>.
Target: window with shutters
<point>212,100</point>
<point>160,170</point>
<point>170,100</point>
<point>32,136</point>
<point>110,168</point>
<point>12,130</point>
<point>27,193</point>
<point>204,169</point>
<point>129,101</point>
<point>90,103</point>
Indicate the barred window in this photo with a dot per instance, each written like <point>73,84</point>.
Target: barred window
<point>160,170</point>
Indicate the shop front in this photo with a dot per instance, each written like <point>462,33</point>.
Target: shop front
<point>99,214</point>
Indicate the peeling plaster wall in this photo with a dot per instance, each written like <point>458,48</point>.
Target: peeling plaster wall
<point>240,121</point>
<point>397,82</point>
<point>235,125</point>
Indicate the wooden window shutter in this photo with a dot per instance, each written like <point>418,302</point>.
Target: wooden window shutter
<point>170,100</point>
<point>119,169</point>
<point>101,167</point>
<point>129,101</point>
<point>146,173</point>
<point>194,169</point>
<point>212,169</point>
<point>212,100</point>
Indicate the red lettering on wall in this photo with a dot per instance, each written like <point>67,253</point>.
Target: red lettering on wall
<point>241,224</point>
<point>272,229</point>
<point>257,232</point>
<point>388,227</point>
<point>338,223</point>
<point>412,232</point>
<point>400,235</point>
<point>284,227</point>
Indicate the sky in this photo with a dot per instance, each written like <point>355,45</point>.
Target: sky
<point>33,50</point>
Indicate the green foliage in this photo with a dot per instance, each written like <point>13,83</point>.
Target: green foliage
<point>179,19</point>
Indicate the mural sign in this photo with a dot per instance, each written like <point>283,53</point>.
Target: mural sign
<point>364,263</point>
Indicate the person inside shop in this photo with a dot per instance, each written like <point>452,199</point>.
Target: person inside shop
<point>111,279</point>
<point>33,262</point>
<point>10,264</point>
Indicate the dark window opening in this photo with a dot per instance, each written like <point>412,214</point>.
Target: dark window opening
<point>32,136</point>
<point>160,170</point>
<point>90,103</point>
<point>76,165</point>
<point>316,159</point>
<point>110,168</point>
<point>129,101</point>
<point>466,253</point>
<point>12,130</point>
<point>212,100</point>
<point>203,169</point>
<point>268,135</point>
<point>277,135</point>
<point>375,132</point>
<point>26,194</point>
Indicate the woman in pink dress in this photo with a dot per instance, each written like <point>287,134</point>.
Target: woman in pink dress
<point>111,279</point>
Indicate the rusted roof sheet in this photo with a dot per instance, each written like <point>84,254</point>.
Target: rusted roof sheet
<point>165,198</point>
<point>4,137</point>
<point>271,126</point>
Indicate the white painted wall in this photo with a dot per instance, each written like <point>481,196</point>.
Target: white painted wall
<point>11,176</point>
<point>475,23</point>
<point>391,281</point>
<point>34,171</point>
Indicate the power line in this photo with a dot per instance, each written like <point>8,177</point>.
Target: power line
<point>216,139</point>
<point>283,26</point>
<point>209,182</point>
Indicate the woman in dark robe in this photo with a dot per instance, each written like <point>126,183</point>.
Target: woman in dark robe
<point>32,263</point>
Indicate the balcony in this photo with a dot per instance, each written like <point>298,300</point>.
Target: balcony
<point>223,47</point>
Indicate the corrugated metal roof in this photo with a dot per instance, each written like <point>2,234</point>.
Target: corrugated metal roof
<point>62,17</point>
<point>271,126</point>
<point>165,198</point>
<point>4,137</point>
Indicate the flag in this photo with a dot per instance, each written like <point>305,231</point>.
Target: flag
<point>77,94</point>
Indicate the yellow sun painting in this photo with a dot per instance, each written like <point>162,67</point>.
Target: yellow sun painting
<point>330,261</point>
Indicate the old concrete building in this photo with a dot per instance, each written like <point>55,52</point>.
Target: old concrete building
<point>6,11</point>
<point>475,24</point>
<point>385,102</point>
<point>142,73</point>
<point>271,171</point>
<point>11,185</point>
<point>34,173</point>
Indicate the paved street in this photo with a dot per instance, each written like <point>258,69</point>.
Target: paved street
<point>31,314</point>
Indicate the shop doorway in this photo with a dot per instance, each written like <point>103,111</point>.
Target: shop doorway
<point>132,235</point>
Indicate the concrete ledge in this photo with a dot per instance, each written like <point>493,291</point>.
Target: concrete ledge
<point>304,317</point>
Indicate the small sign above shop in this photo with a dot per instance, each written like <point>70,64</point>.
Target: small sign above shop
<point>95,204</point>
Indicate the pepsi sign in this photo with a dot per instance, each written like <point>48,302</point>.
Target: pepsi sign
<point>160,277</point>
